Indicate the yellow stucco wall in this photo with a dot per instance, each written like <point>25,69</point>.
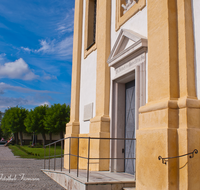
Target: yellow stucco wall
<point>100,124</point>
<point>169,123</point>
<point>72,128</point>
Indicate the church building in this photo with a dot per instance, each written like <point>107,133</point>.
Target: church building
<point>136,91</point>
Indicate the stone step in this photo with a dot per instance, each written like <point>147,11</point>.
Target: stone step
<point>98,180</point>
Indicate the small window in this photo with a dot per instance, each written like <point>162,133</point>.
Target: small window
<point>91,24</point>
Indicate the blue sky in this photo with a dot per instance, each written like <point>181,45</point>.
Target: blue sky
<point>36,39</point>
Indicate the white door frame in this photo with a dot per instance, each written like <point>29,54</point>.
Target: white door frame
<point>129,64</point>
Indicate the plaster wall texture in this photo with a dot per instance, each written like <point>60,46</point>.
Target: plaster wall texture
<point>88,81</point>
<point>138,24</point>
<point>196,20</point>
<point>172,129</point>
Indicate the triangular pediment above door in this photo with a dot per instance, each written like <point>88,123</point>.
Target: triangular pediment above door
<point>127,43</point>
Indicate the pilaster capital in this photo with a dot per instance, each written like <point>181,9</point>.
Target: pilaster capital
<point>72,128</point>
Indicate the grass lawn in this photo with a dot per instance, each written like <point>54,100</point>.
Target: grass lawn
<point>37,153</point>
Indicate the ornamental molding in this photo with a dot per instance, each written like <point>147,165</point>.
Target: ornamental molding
<point>129,4</point>
<point>128,46</point>
<point>125,9</point>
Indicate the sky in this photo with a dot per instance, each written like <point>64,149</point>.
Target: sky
<point>36,39</point>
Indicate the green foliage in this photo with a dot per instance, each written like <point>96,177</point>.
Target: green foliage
<point>6,134</point>
<point>17,152</point>
<point>56,118</point>
<point>37,153</point>
<point>1,133</point>
<point>42,119</point>
<point>5,124</point>
<point>34,121</point>
<point>38,145</point>
<point>13,120</point>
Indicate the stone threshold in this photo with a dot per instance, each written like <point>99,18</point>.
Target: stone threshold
<point>97,180</point>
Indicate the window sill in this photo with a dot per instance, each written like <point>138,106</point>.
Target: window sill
<point>87,52</point>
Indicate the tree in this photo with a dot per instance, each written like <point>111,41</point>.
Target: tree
<point>1,133</point>
<point>13,122</point>
<point>6,132</point>
<point>34,121</point>
<point>56,118</point>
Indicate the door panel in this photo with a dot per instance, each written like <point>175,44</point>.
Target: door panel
<point>130,127</point>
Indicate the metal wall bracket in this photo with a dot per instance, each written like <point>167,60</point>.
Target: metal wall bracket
<point>191,155</point>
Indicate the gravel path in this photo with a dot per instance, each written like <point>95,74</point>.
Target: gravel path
<point>23,174</point>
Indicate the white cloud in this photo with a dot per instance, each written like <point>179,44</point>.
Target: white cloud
<point>67,24</point>
<point>4,86</point>
<point>17,70</point>
<point>33,98</point>
<point>63,28</point>
<point>61,48</point>
<point>45,103</point>
<point>6,102</point>
<point>2,56</point>
<point>26,49</point>
<point>64,48</point>
<point>47,47</point>
<point>49,77</point>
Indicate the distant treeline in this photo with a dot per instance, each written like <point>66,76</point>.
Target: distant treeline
<point>40,120</point>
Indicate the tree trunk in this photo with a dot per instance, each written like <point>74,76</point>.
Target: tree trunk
<point>61,137</point>
<point>16,138</point>
<point>50,137</point>
<point>21,138</point>
<point>44,139</point>
<point>33,142</point>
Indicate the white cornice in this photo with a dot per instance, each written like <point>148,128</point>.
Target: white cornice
<point>140,44</point>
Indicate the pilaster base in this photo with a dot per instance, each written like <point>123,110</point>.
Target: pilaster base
<point>157,136</point>
<point>168,130</point>
<point>72,130</point>
<point>189,139</point>
<point>100,148</point>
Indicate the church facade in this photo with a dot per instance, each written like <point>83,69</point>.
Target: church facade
<point>135,75</point>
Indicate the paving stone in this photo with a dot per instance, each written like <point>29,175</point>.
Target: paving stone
<point>24,174</point>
